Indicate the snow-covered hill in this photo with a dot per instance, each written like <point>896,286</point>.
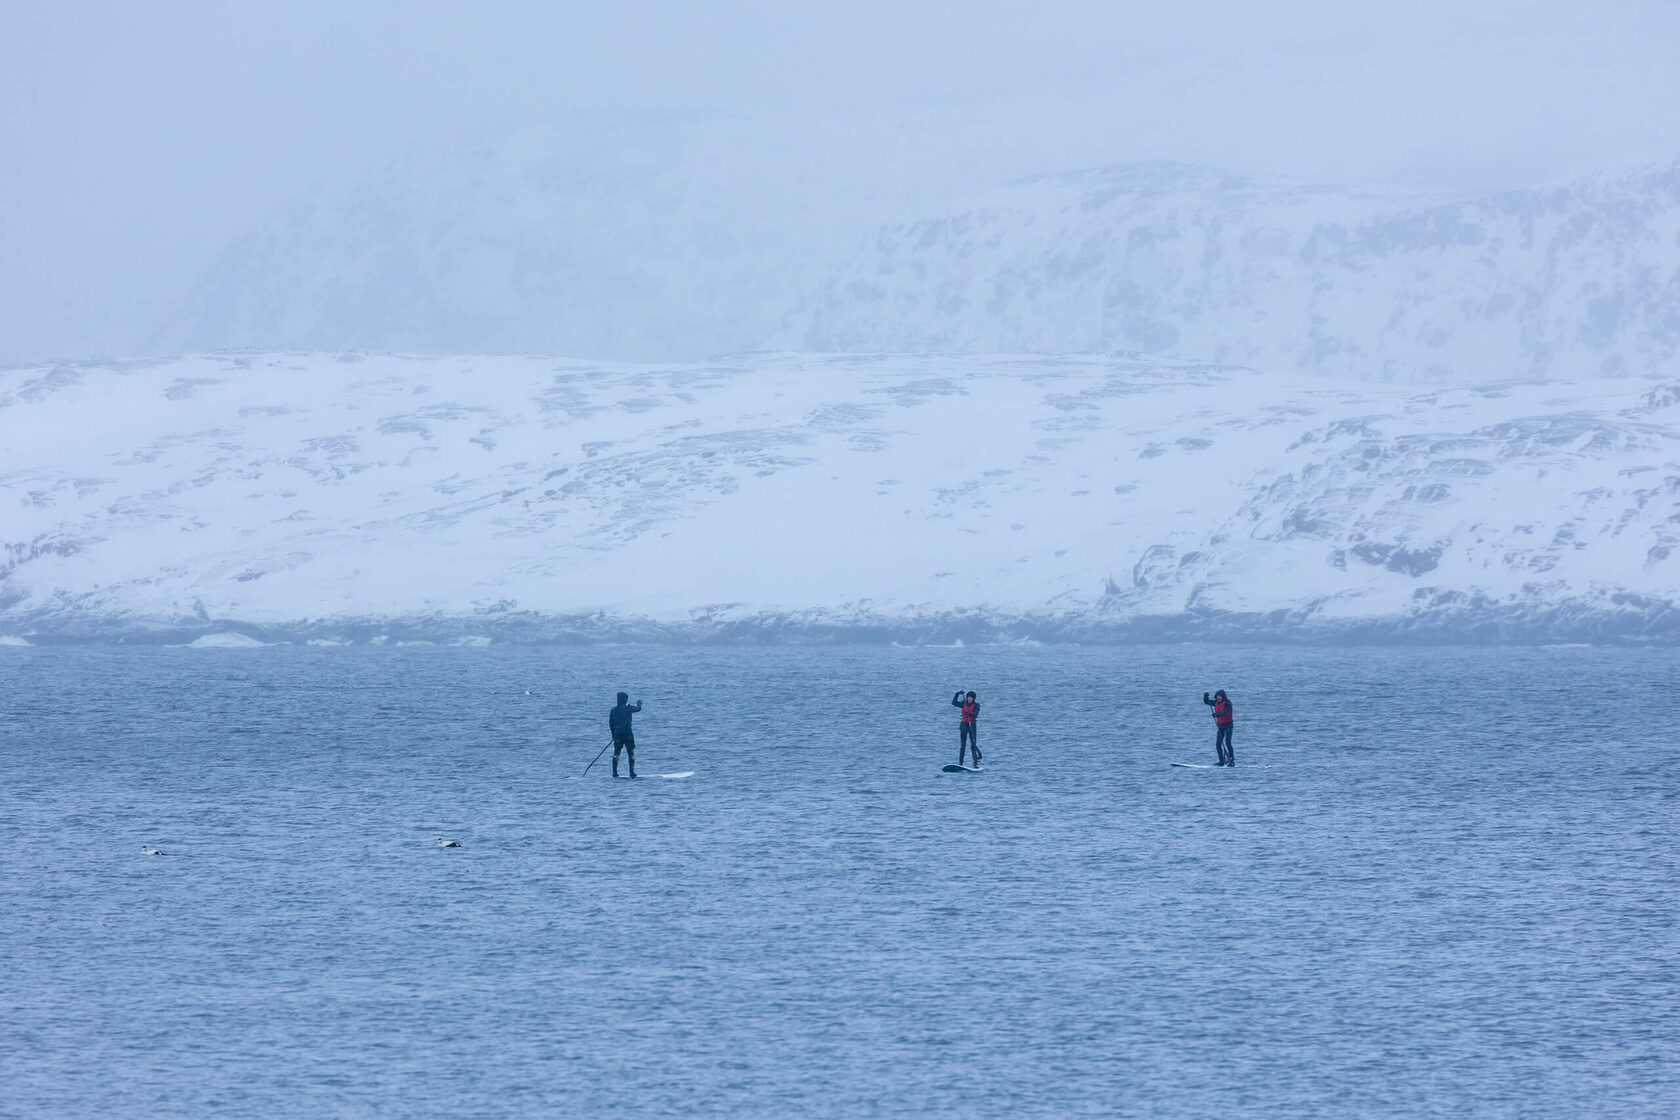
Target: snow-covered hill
<point>346,497</point>
<point>1571,282</point>
<point>648,235</point>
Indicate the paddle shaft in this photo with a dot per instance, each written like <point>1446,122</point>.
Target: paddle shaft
<point>591,766</point>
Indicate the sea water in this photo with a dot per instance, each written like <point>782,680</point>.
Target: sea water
<point>1439,881</point>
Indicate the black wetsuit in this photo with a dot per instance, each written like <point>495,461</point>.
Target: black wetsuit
<point>968,730</point>
<point>623,739</point>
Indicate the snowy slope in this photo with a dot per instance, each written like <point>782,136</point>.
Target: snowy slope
<point>1375,284</point>
<point>346,496</point>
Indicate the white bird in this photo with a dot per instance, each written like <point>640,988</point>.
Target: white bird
<point>442,843</point>
<point>150,852</point>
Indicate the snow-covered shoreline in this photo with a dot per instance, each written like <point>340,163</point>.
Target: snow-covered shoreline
<point>1641,623</point>
<point>299,497</point>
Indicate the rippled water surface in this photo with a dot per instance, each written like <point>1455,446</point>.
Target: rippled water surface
<point>1439,882</point>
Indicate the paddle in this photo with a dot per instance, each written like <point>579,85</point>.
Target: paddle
<point>586,769</point>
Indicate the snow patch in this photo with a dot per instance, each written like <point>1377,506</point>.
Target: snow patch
<point>225,640</point>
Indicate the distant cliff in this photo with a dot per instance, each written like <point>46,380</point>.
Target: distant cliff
<point>1577,281</point>
<point>629,237</point>
<point>679,246</point>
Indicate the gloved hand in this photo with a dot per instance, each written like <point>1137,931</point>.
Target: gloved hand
<point>1206,699</point>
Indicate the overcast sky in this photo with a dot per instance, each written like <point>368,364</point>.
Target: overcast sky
<point>135,139</point>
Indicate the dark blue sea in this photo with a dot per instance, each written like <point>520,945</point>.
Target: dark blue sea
<point>1439,882</point>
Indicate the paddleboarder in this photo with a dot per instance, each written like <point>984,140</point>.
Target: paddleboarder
<point>1223,720</point>
<point>622,738</point>
<point>969,729</point>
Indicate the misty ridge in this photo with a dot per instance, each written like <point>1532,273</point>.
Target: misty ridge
<point>653,235</point>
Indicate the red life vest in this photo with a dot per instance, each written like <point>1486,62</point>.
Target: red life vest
<point>1222,712</point>
<point>968,710</point>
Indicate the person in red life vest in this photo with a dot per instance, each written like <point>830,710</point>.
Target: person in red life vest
<point>1222,719</point>
<point>970,726</point>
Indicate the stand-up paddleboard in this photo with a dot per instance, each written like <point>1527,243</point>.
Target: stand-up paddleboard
<point>682,774</point>
<point>953,768</point>
<point>1196,765</point>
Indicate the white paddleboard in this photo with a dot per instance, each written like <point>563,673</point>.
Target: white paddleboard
<point>953,768</point>
<point>1196,765</point>
<point>683,774</point>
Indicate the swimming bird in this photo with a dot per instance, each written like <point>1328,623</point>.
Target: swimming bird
<point>442,843</point>
<point>150,852</point>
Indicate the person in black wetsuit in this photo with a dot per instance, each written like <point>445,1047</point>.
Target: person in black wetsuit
<point>970,726</point>
<point>623,739</point>
<point>1223,719</point>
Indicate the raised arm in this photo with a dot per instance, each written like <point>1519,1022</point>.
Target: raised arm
<point>637,707</point>
<point>956,701</point>
<point>1206,699</point>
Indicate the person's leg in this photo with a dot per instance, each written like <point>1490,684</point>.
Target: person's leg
<point>1219,743</point>
<point>963,733</point>
<point>974,744</point>
<point>618,745</point>
<point>630,752</point>
<point>1230,746</point>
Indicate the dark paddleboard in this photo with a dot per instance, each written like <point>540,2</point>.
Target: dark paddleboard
<point>953,768</point>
